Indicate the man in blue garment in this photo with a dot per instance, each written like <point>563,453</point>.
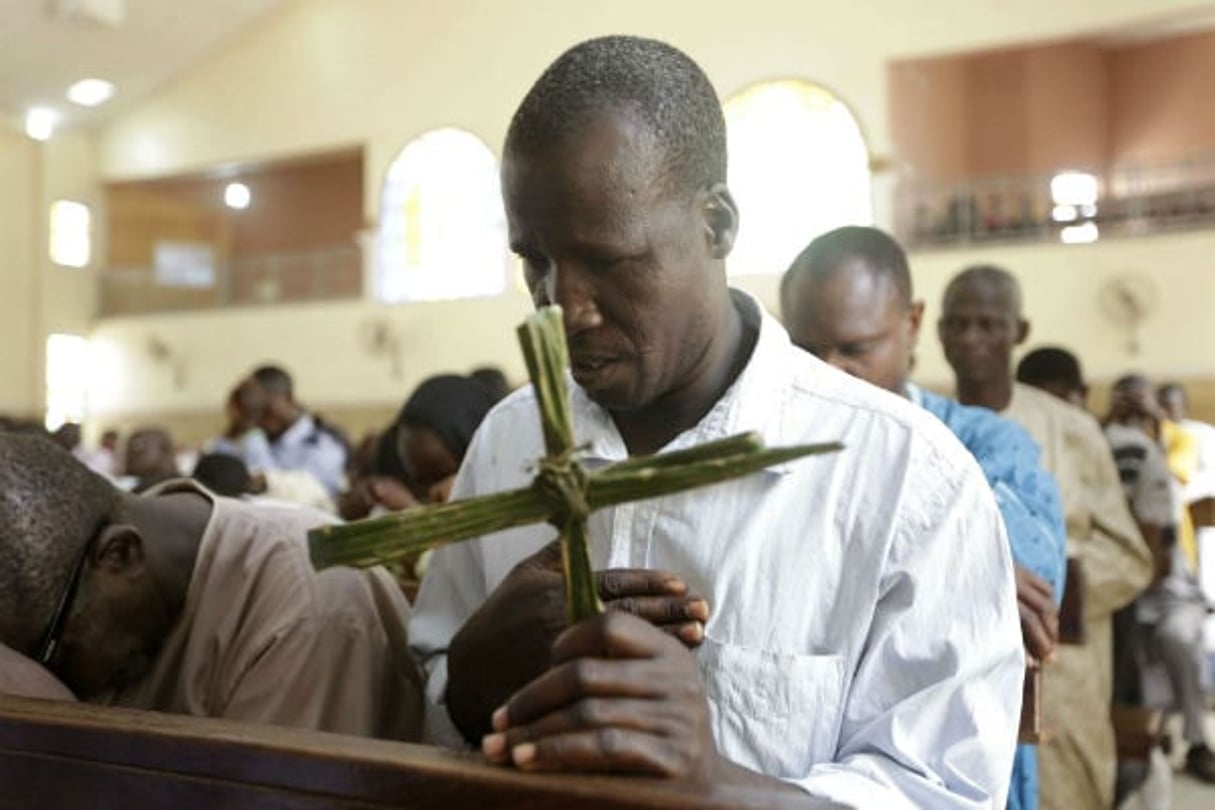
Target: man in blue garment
<point>847,299</point>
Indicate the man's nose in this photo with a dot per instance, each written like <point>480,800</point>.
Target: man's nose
<point>569,287</point>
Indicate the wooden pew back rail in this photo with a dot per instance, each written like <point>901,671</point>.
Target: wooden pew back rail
<point>66,755</point>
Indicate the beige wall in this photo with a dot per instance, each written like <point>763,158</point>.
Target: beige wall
<point>18,230</point>
<point>37,297</point>
<point>1063,285</point>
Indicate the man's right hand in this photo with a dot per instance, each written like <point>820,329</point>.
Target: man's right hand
<point>506,644</point>
<point>1039,616</point>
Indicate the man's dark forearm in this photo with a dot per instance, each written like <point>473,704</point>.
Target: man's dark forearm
<point>488,662</point>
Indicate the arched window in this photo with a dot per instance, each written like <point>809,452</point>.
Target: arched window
<point>442,230</point>
<point>798,168</point>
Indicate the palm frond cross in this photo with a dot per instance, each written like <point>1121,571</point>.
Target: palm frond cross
<point>562,493</point>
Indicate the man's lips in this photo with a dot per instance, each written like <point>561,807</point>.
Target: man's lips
<point>587,367</point>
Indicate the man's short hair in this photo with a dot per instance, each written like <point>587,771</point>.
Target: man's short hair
<point>999,279</point>
<point>826,255</point>
<point>275,380</point>
<point>1168,388</point>
<point>651,79</point>
<point>492,378</point>
<point>223,474</point>
<point>1051,364</point>
<point>51,506</point>
<point>1133,379</point>
<point>451,406</point>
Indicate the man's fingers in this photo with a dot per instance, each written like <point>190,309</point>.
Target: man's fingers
<point>590,713</point>
<point>612,655</point>
<point>618,583</point>
<point>663,609</point>
<point>690,634</point>
<point>1042,600</point>
<point>614,634</point>
<point>573,681</point>
<point>1035,634</point>
<point>1029,581</point>
<point>603,750</point>
<point>1044,609</point>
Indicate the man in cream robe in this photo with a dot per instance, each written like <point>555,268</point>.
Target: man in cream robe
<point>980,325</point>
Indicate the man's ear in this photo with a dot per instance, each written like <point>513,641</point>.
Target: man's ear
<point>119,550</point>
<point>1022,331</point>
<point>915,318</point>
<point>721,220</point>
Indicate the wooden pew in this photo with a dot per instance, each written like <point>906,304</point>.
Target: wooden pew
<point>1203,513</point>
<point>64,755</point>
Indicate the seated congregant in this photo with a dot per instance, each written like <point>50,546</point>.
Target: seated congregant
<point>224,475</point>
<point>847,299</point>
<point>415,459</point>
<point>861,640</point>
<point>1056,371</point>
<point>150,458</point>
<point>1170,615</point>
<point>494,379</point>
<point>272,432</point>
<point>436,426</point>
<point>182,602</point>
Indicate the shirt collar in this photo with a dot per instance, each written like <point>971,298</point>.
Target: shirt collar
<point>756,401</point>
<point>299,431</point>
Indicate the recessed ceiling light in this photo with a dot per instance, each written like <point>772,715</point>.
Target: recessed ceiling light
<point>40,122</point>
<point>237,195</point>
<point>90,92</point>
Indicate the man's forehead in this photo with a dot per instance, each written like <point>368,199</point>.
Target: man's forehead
<point>849,305</point>
<point>980,293</point>
<point>614,150</point>
<point>853,286</point>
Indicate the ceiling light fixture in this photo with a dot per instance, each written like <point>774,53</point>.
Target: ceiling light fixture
<point>40,122</point>
<point>237,195</point>
<point>90,92</point>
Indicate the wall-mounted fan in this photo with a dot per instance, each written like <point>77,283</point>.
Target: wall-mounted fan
<point>379,338</point>
<point>163,354</point>
<point>1128,302</point>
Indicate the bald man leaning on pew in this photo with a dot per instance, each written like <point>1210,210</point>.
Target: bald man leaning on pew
<point>184,602</point>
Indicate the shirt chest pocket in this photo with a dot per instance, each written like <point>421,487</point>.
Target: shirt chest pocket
<point>776,713</point>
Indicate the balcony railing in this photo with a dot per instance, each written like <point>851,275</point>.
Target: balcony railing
<point>318,275</point>
<point>1131,200</point>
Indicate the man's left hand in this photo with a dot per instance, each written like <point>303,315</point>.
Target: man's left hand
<point>622,696</point>
<point>1039,616</point>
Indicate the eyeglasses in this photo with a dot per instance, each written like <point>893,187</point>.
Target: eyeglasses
<point>54,632</point>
